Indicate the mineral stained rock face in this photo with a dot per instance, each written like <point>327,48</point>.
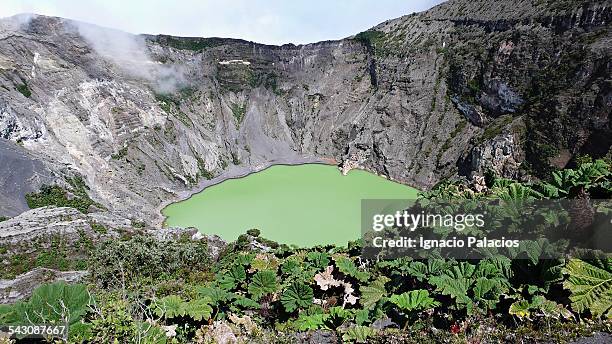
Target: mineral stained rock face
<point>464,87</point>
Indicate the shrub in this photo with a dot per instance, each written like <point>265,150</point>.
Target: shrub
<point>239,111</point>
<point>113,324</point>
<point>254,232</point>
<point>370,38</point>
<point>54,195</point>
<point>24,89</point>
<point>116,262</point>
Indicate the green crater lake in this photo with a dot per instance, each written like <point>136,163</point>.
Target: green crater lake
<point>304,205</point>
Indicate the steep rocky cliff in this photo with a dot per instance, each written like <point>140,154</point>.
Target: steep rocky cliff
<point>517,87</point>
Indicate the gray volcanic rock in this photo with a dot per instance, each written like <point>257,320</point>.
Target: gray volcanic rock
<point>23,285</point>
<point>597,337</point>
<point>48,222</point>
<point>19,174</point>
<point>148,119</point>
<point>502,155</point>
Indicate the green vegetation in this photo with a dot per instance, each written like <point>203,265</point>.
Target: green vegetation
<point>372,39</point>
<point>140,287</point>
<point>189,43</point>
<point>119,262</point>
<point>495,128</point>
<point>3,218</point>
<point>51,304</point>
<point>52,253</point>
<point>381,44</point>
<point>24,89</point>
<point>447,144</point>
<point>204,173</point>
<point>54,195</point>
<point>122,153</point>
<point>590,284</point>
<point>271,82</point>
<point>239,111</point>
<point>98,228</point>
<point>166,101</point>
<point>255,78</point>
<point>187,92</point>
<point>171,104</point>
<point>138,224</point>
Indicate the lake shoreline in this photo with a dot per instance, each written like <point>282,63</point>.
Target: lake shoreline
<point>304,204</point>
<point>236,172</point>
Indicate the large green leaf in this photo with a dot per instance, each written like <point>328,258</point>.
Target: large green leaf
<point>54,303</point>
<point>347,267</point>
<point>337,316</point>
<point>297,295</point>
<point>591,172</point>
<point>372,293</point>
<point>319,259</point>
<point>564,180</point>
<point>517,193</point>
<point>422,271</point>
<point>151,334</point>
<point>264,261</point>
<point>521,309</point>
<point>362,316</point>
<point>247,303</point>
<point>590,285</point>
<point>309,322</point>
<point>495,266</point>
<point>225,282</point>
<point>244,258</point>
<point>358,334</point>
<point>550,309</point>
<point>238,273</point>
<point>539,306</point>
<point>414,300</point>
<point>487,292</point>
<point>170,306</point>
<point>199,309</point>
<point>418,270</point>
<point>291,266</point>
<point>216,295</point>
<point>6,314</point>
<point>456,282</point>
<point>263,282</point>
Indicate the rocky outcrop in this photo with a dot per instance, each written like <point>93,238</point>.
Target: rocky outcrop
<point>502,155</point>
<point>21,287</point>
<point>20,173</point>
<point>148,119</point>
<point>43,223</point>
<point>64,238</point>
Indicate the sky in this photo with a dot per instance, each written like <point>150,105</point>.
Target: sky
<point>262,21</point>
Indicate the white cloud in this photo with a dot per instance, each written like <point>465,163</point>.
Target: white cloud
<point>129,53</point>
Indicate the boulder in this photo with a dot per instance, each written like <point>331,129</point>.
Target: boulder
<point>22,286</point>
